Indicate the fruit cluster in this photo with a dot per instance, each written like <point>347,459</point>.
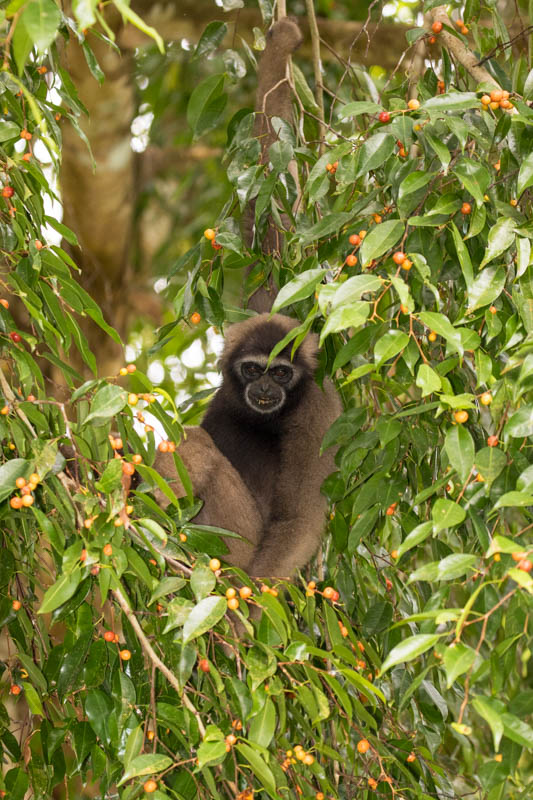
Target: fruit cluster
<point>498,98</point>
<point>26,487</point>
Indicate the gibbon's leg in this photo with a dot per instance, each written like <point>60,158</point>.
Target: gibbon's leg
<point>298,513</point>
<point>227,501</point>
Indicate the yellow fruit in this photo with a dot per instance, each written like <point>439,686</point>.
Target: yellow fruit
<point>214,564</point>
<point>486,399</point>
<point>461,416</point>
<point>413,104</point>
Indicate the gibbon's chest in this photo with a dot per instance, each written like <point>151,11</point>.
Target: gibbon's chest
<point>255,454</point>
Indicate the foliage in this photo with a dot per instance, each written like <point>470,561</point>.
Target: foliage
<point>416,681</point>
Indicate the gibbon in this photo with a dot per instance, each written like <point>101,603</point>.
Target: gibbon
<point>255,460</point>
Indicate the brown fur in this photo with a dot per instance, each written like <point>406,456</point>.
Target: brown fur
<point>273,99</point>
<point>284,522</point>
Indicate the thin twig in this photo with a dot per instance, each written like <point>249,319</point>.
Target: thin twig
<point>154,658</point>
<point>317,69</point>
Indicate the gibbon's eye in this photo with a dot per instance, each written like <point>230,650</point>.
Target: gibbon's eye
<point>251,371</point>
<point>281,374</point>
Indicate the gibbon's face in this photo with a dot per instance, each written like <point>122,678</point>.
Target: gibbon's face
<point>266,389</point>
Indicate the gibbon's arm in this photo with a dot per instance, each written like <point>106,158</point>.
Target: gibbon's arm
<point>297,522</point>
<point>227,501</point>
<point>273,99</point>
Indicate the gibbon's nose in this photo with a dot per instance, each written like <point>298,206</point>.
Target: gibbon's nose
<point>265,388</point>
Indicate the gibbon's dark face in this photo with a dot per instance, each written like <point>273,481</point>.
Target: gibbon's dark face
<point>266,389</point>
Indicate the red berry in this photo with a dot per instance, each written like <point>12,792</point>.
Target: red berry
<point>436,27</point>
<point>525,565</point>
<point>355,240</point>
<point>384,116</point>
<point>15,337</point>
<point>492,441</point>
<point>8,191</point>
<point>203,664</point>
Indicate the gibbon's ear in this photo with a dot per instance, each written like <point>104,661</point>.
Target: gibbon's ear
<point>273,99</point>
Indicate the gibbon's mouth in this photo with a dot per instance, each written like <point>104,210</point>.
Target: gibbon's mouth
<point>266,402</point>
<point>265,405</point>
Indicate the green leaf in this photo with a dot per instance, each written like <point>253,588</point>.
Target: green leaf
<point>9,130</point>
<point>359,107</point>
<point>84,12</point>
<point>9,472</point>
<point>166,586</point>
<point>206,105</point>
<point>474,177</point>
<point>33,700</point>
<point>464,257</point>
<point>440,149</point>
<point>41,20</point>
<point>455,565</point>
<point>107,402</point>
<point>178,612</point>
<point>520,424</point>
<point>457,659</point>
<point>211,752</point>
<point>446,514</point>
<point>380,239</point>
<point>417,535</point>
<point>460,450</point>
<point>501,237</point>
<point>352,316</point>
<point>203,581</point>
<point>353,289</point>
<point>203,617</point>
<point>517,730</point>
<point>111,477</point>
<point>299,288</point>
<point>60,591</point>
<point>389,345</point>
<point>490,461</point>
<point>442,325</point>
<point>525,174</point>
<point>427,380</point>
<point>451,101</point>
<point>487,708</point>
<point>211,38</point>
<point>259,767</point>
<point>328,225</point>
<point>514,500</point>
<point>145,764</point>
<point>522,578</point>
<point>486,288</point>
<point>263,724</point>
<point>375,151</point>
<point>409,649</point>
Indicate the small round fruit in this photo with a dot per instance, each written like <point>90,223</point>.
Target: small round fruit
<point>492,441</point>
<point>27,500</point>
<point>320,796</point>
<point>486,399</point>
<point>125,655</point>
<point>399,257</point>
<point>466,208</point>
<point>245,592</point>
<point>137,458</point>
<point>494,105</point>
<point>83,555</point>
<point>362,234</point>
<point>407,264</point>
<point>485,100</point>
<point>413,104</point>
<point>150,786</point>
<point>109,636</point>
<point>15,337</point>
<point>432,336</point>
<point>496,95</point>
<point>363,746</point>
<point>4,411</point>
<point>493,310</point>
<point>514,201</point>
<point>233,604</point>
<point>214,564</point>
<point>107,550</point>
<point>308,759</point>
<point>15,689</point>
<point>8,191</point>
<point>437,26</point>
<point>123,371</point>
<point>163,447</point>
<point>518,556</point>
<point>526,565</point>
<point>355,240</point>
<point>20,482</point>
<point>183,537</point>
<point>432,40</point>
<point>404,309</point>
<point>16,605</point>
<point>328,592</point>
<point>411,757</point>
<point>394,554</point>
<point>195,318</point>
<point>209,234</point>
<point>133,399</point>
<point>377,218</point>
<point>335,596</point>
<point>34,477</point>
<point>391,509</point>
<point>127,468</point>
<point>461,416</point>
<point>351,260</point>
<point>231,738</point>
<point>231,592</point>
<point>203,665</point>
<point>384,117</point>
